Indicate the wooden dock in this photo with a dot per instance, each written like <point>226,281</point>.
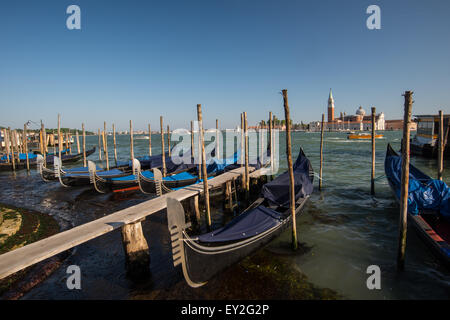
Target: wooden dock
<point>33,253</point>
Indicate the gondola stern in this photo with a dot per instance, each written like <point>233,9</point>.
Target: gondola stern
<point>176,224</point>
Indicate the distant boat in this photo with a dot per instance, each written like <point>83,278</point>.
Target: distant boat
<point>361,136</point>
<point>425,142</point>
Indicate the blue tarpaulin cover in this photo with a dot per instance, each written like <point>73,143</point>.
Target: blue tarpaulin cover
<point>423,192</point>
<point>217,165</point>
<point>261,218</point>
<point>22,156</point>
<point>248,224</point>
<point>277,191</point>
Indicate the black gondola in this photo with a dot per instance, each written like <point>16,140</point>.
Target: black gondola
<point>431,225</point>
<point>204,256</point>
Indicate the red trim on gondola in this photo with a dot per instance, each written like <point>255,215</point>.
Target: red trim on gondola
<point>126,189</point>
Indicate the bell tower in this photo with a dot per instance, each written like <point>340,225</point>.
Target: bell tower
<point>330,107</point>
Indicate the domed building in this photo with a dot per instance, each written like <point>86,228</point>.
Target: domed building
<point>357,122</point>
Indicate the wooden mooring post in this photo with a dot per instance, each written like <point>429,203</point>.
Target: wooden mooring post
<point>204,173</point>
<point>405,182</point>
<point>137,255</point>
<point>441,146</point>
<point>84,145</point>
<point>78,141</point>
<point>11,139</point>
<point>372,174</point>
<point>25,144</point>
<point>321,151</point>
<point>45,145</point>
<point>290,168</point>
<point>247,178</point>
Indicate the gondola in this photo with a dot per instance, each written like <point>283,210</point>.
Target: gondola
<point>428,204</point>
<point>66,158</point>
<point>153,182</point>
<point>204,256</point>
<point>178,175</point>
<point>80,176</point>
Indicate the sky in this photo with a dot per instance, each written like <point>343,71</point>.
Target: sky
<point>140,60</point>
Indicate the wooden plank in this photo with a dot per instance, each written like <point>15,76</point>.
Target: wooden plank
<point>28,255</point>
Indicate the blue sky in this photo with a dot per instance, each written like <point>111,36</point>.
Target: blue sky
<point>142,59</point>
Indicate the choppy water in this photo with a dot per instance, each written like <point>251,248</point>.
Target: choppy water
<point>346,227</point>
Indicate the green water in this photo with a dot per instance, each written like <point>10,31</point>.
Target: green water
<point>346,228</point>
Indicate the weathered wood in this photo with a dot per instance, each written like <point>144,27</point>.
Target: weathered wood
<point>105,144</point>
<point>28,255</point>
<point>372,175</point>
<point>78,141</point>
<point>290,169</point>
<point>162,146</point>
<point>195,206</point>
<point>228,196</point>
<point>25,144</point>
<point>131,145</point>
<point>321,152</point>
<point>135,246</point>
<point>441,146</point>
<point>405,181</point>
<point>44,136</point>
<point>204,173</point>
<point>84,145</point>
<point>149,140</point>
<point>11,138</point>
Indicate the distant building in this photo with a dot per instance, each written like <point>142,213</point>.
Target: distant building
<point>398,125</point>
<point>357,122</point>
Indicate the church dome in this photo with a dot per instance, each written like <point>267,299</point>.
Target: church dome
<point>360,111</point>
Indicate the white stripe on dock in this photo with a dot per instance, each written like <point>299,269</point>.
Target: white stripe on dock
<point>28,255</point>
